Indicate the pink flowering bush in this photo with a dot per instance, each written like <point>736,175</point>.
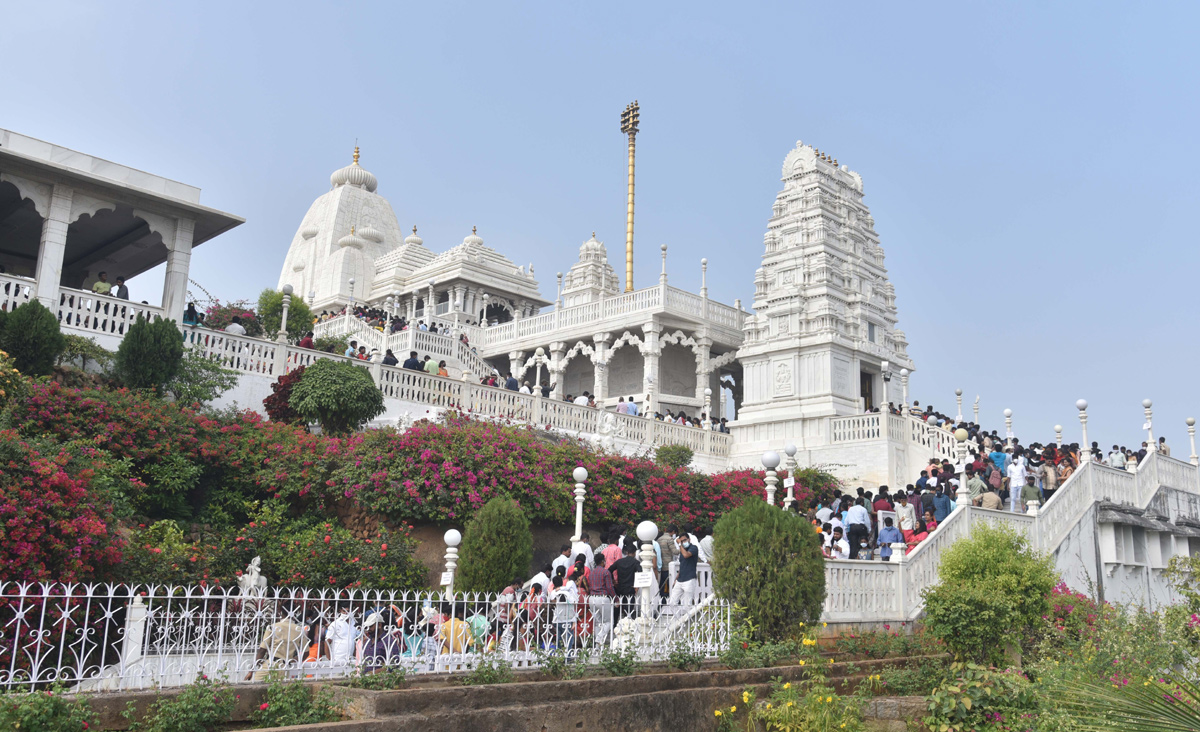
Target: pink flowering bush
<point>217,316</point>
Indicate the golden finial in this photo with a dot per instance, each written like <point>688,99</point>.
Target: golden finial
<point>414,229</point>
<point>351,230</point>
<point>356,154</point>
<point>472,229</point>
<point>835,162</point>
<point>593,235</point>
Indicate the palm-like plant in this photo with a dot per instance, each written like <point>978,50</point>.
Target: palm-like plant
<point>1169,705</point>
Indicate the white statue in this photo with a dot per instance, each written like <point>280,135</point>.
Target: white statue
<point>608,431</point>
<point>252,582</point>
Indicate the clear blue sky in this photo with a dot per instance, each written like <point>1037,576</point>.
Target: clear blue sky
<point>1030,167</point>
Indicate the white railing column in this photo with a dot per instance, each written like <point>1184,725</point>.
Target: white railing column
<point>580,475</point>
<point>1085,449</point>
<point>647,531</point>
<point>770,461</point>
<point>452,538</point>
<point>900,557</point>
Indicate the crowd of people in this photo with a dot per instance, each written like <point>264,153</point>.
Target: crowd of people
<point>1000,474</point>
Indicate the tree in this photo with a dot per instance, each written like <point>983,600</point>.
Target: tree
<point>32,338</point>
<point>674,456</point>
<point>340,396</point>
<point>84,349</point>
<point>769,561</point>
<point>200,378</point>
<point>279,404</point>
<point>497,546</point>
<point>270,314</point>
<point>991,586</point>
<point>150,354</point>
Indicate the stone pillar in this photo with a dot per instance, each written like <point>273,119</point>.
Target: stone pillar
<point>650,349</point>
<point>514,363</point>
<point>703,370</point>
<point>558,351</point>
<point>179,259</point>
<point>600,359</point>
<point>53,246</point>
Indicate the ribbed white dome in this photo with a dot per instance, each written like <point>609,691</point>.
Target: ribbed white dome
<point>354,175</point>
<point>309,232</point>
<point>370,232</point>
<point>473,240</point>
<point>413,238</point>
<point>352,240</point>
<point>592,247</point>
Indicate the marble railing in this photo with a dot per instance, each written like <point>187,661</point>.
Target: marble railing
<point>861,591</point>
<point>15,291</point>
<point>79,310</point>
<point>939,442</point>
<point>463,357</point>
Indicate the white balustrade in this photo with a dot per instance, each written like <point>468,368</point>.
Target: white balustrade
<point>92,313</point>
<point>857,591</point>
<point>15,291</point>
<point>234,352</point>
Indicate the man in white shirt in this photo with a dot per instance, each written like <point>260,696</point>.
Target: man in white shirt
<point>584,547</point>
<point>906,514</point>
<point>839,548</point>
<point>235,327</point>
<point>582,399</point>
<point>824,513</point>
<point>525,388</point>
<point>1016,479</point>
<point>1116,458</point>
<point>858,526</point>
<point>564,559</point>
<point>421,326</point>
<point>341,636</point>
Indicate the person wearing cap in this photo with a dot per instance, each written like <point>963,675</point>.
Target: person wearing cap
<point>380,646</point>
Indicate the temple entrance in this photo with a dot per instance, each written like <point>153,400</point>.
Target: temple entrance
<point>866,383</point>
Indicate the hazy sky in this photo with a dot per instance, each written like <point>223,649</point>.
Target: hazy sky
<point>1031,168</point>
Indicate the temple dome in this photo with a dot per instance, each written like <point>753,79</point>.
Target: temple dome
<point>473,239</point>
<point>413,238</point>
<point>352,240</point>
<point>593,247</point>
<point>354,175</point>
<point>370,232</point>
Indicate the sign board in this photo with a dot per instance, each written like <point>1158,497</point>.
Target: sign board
<point>447,578</point>
<point>789,482</point>
<point>643,579</point>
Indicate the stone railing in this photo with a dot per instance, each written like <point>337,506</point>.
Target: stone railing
<point>80,310</point>
<point>460,356</point>
<point>15,291</point>
<point>938,442</point>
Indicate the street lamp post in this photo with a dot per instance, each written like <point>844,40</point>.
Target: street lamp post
<point>904,388</point>
<point>1191,424</point>
<point>287,301</point>
<point>885,370</point>
<point>351,296</point>
<point>708,418</point>
<point>790,450</point>
<point>647,532</point>
<point>975,408</point>
<point>539,357</point>
<point>1146,405</point>
<point>486,297</point>
<point>1058,435</point>
<point>770,461</point>
<point>312,297</point>
<point>1008,426</point>
<point>580,475</point>
<point>1085,450</point>
<point>958,398</point>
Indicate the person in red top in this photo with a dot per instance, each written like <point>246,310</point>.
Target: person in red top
<point>307,340</point>
<point>882,503</point>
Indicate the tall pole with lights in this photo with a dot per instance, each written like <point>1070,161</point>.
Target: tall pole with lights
<point>629,126</point>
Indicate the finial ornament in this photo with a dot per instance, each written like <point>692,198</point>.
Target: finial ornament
<point>351,229</point>
<point>472,229</point>
<point>355,154</point>
<point>414,229</point>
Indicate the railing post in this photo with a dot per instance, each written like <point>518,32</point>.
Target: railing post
<point>281,358</point>
<point>376,369</point>
<point>898,553</point>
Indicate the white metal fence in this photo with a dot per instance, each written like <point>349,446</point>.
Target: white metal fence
<point>107,637</point>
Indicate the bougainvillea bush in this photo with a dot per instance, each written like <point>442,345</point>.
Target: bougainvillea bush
<point>218,315</point>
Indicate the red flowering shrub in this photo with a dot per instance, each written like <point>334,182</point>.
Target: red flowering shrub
<point>53,524</point>
<point>217,316</point>
<point>278,405</point>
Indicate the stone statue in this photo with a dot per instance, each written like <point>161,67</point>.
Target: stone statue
<point>608,431</point>
<point>252,582</point>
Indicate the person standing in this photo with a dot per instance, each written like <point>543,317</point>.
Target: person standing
<point>102,286</point>
<point>235,327</point>
<point>584,547</point>
<point>412,363</point>
<point>1163,448</point>
<point>1030,492</point>
<point>684,591</point>
<point>906,514</point>
<point>623,571</point>
<point>858,527</point>
<point>121,290</point>
<point>1016,483</point>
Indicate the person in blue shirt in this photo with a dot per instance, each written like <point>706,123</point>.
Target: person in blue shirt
<point>888,535</point>
<point>922,481</point>
<point>1000,460</point>
<point>942,504</point>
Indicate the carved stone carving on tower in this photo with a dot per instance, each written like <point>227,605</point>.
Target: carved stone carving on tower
<point>592,277</point>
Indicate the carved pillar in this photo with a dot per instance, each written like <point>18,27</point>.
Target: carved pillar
<point>558,367</point>
<point>703,370</point>
<point>600,359</point>
<point>53,246</point>
<point>514,363</point>
<point>650,349</point>
<point>179,258</point>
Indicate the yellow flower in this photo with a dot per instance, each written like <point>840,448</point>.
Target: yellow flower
<point>824,625</point>
<point>801,623</point>
<point>768,705</point>
<point>732,710</point>
<point>789,704</point>
<point>745,697</point>
<point>802,662</point>
<point>828,699</point>
<point>717,713</point>
<point>788,685</point>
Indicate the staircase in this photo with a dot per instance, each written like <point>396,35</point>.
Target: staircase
<point>459,357</point>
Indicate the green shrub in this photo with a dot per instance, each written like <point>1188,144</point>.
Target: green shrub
<point>200,706</point>
<point>279,404</point>
<point>621,663</point>
<point>293,702</point>
<point>992,589</point>
<point>490,670</point>
<point>84,349</point>
<point>13,385</point>
<point>976,697</point>
<point>45,711</point>
<point>150,354</point>
<point>769,562</point>
<point>384,679</point>
<point>674,456</point>
<point>270,314</point>
<point>497,546</point>
<point>33,339</point>
<point>340,396</point>
<point>331,344</point>
<point>200,378</point>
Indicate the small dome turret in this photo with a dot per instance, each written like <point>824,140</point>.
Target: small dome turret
<point>354,175</point>
<point>413,238</point>
<point>352,240</point>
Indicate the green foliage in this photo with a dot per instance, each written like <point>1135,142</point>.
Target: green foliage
<point>621,663</point>
<point>917,678</point>
<point>331,344</point>
<point>32,338</point>
<point>84,349</point>
<point>45,711</point>
<point>150,354</point>
<point>555,663</point>
<point>491,669</point>
<point>14,386</point>
<point>200,706</point>
<point>1167,704</point>
<point>270,315</point>
<point>497,546</point>
<point>888,643</point>
<point>747,650</point>
<point>293,702</point>
<point>992,585</point>
<point>384,679</point>
<point>976,697</point>
<point>684,658</point>
<point>200,378</point>
<point>340,396</point>
<point>811,705</point>
<point>673,456</point>
<point>769,562</point>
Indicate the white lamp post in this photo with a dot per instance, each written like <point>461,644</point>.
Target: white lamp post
<point>484,324</point>
<point>770,461</point>
<point>964,496</point>
<point>452,539</point>
<point>431,305</point>
<point>352,295</point>
<point>395,302</point>
<point>647,532</point>
<point>1058,435</point>
<point>904,387</point>
<point>1085,450</point>
<point>885,370</point>
<point>287,301</point>
<point>1146,405</point>
<point>790,450</point>
<point>975,408</point>
<point>1191,424</point>
<point>1008,426</point>
<point>708,418</point>
<point>958,398</point>
<point>580,475</point>
<point>539,357</point>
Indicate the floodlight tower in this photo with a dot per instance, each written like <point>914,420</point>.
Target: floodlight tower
<point>629,126</point>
